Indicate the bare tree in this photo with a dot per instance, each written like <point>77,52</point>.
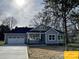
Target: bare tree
<point>37,20</point>
<point>49,16</point>
<point>9,21</point>
<point>61,8</point>
<point>41,18</point>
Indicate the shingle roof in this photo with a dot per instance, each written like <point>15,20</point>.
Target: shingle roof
<point>20,30</point>
<point>59,31</point>
<point>37,29</point>
<point>26,29</point>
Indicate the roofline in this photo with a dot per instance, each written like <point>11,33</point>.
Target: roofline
<point>14,33</point>
<point>38,26</point>
<point>50,29</point>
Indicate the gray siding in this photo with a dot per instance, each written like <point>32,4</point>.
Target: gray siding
<point>52,32</point>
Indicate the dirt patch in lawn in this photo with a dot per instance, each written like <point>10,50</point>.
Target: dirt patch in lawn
<point>46,52</point>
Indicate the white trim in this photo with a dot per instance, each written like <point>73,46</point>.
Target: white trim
<point>16,41</point>
<point>50,29</point>
<point>35,33</point>
<point>52,34</point>
<point>13,35</point>
<point>46,38</point>
<point>60,39</point>
<point>27,37</point>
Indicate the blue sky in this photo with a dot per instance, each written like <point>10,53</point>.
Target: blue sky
<point>22,10</point>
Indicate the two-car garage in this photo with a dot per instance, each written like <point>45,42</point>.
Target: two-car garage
<point>15,38</point>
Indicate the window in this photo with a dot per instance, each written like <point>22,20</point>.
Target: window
<point>51,37</point>
<point>60,37</point>
<point>34,36</point>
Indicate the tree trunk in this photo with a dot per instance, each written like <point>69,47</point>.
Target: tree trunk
<point>64,10</point>
<point>66,34</point>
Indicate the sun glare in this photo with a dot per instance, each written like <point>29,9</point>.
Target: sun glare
<point>20,3</point>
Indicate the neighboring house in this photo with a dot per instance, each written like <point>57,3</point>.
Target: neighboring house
<point>40,35</point>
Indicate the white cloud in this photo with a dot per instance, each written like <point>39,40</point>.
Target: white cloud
<point>23,13</point>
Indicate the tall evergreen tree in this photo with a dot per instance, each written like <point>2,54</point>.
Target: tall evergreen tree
<point>3,29</point>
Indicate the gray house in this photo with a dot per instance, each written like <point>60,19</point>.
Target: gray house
<point>40,35</point>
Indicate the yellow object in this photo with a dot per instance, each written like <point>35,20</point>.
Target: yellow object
<point>71,54</point>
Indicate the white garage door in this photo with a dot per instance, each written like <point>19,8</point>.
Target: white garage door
<point>16,40</point>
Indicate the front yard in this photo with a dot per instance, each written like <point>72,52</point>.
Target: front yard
<point>73,46</point>
<point>1,43</point>
<point>46,52</point>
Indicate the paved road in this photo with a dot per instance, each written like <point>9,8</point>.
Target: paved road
<point>13,52</point>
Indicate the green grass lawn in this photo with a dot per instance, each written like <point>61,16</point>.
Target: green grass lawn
<point>1,43</point>
<point>73,46</point>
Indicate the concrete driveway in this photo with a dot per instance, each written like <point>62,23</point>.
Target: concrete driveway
<point>13,52</point>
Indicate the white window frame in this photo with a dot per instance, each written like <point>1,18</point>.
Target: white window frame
<point>60,38</point>
<point>52,39</point>
<point>35,38</point>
